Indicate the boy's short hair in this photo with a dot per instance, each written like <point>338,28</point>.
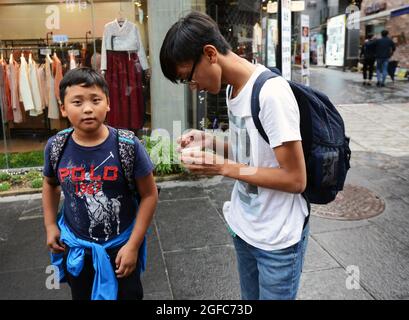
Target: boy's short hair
<point>185,40</point>
<point>384,33</point>
<point>84,76</point>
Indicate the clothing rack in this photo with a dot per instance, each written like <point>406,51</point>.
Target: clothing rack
<point>47,131</point>
<point>36,48</point>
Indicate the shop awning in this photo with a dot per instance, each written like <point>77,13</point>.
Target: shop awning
<point>400,11</point>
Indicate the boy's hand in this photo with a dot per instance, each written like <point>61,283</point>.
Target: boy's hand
<point>126,261</point>
<point>195,139</point>
<point>206,163</point>
<point>53,239</point>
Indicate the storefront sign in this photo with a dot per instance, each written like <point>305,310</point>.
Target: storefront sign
<point>320,49</point>
<point>336,41</point>
<point>286,39</point>
<point>375,7</point>
<point>305,49</point>
<point>74,52</point>
<point>44,51</point>
<point>272,37</point>
<point>60,38</point>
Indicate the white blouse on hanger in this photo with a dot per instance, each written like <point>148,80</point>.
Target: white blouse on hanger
<point>24,85</point>
<point>122,38</point>
<point>35,88</point>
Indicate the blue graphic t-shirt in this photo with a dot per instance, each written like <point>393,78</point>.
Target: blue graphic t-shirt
<point>98,204</point>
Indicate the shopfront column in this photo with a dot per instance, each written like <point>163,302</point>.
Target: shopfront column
<point>168,100</point>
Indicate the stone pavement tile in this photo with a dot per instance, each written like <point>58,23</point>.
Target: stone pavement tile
<point>9,214</point>
<point>190,223</point>
<point>181,193</point>
<point>317,258</point>
<point>319,225</point>
<point>383,261</point>
<point>387,186</point>
<point>25,250</point>
<point>395,219</point>
<point>219,195</point>
<point>30,285</point>
<point>329,285</point>
<point>157,296</point>
<point>154,279</point>
<point>208,273</point>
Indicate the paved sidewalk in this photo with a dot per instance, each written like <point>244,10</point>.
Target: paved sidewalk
<point>191,255</point>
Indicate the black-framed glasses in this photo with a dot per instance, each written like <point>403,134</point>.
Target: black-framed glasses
<point>189,79</point>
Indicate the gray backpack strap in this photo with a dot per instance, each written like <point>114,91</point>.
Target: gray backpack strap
<point>126,149</point>
<point>57,148</point>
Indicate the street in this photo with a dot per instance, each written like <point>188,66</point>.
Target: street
<point>190,252</point>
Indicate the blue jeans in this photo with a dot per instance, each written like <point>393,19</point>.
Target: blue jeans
<point>270,275</point>
<point>382,69</point>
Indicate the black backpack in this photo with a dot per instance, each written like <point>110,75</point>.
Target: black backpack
<point>326,148</point>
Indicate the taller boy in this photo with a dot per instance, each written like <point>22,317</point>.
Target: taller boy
<point>267,215</point>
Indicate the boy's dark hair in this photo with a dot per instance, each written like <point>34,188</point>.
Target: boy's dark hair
<point>384,33</point>
<point>369,36</point>
<point>86,77</point>
<point>185,40</point>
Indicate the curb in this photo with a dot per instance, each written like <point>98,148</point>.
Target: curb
<point>158,179</point>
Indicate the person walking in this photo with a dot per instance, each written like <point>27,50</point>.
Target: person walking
<point>384,48</point>
<point>368,54</point>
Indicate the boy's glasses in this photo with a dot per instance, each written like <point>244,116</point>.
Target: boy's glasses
<point>189,80</point>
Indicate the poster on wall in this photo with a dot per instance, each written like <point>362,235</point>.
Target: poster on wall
<point>305,49</point>
<point>286,38</point>
<point>320,49</point>
<point>272,37</point>
<point>336,41</point>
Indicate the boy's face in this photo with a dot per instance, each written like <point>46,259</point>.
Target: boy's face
<point>207,73</point>
<point>85,107</point>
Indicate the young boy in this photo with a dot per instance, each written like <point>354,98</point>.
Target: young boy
<point>267,215</point>
<point>100,214</point>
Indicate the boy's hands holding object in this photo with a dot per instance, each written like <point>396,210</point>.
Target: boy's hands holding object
<point>195,138</point>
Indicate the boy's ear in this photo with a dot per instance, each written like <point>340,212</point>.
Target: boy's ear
<point>63,112</point>
<point>108,102</point>
<point>210,53</point>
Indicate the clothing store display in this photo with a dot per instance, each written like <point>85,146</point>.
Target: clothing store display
<point>124,59</point>
<point>53,110</point>
<point>5,93</point>
<point>73,63</point>
<point>42,84</point>
<point>124,77</point>
<point>13,74</point>
<point>57,73</point>
<point>35,88</point>
<point>122,38</point>
<point>24,85</point>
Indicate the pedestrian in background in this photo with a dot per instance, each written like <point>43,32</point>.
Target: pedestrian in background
<point>368,55</point>
<point>384,48</point>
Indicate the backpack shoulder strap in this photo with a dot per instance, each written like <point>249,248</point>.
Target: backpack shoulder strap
<point>255,100</point>
<point>126,150</point>
<point>57,147</point>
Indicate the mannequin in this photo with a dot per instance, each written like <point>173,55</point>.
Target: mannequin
<point>123,59</point>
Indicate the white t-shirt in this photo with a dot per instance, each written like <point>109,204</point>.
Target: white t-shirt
<point>265,218</point>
